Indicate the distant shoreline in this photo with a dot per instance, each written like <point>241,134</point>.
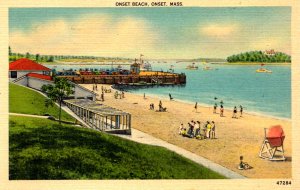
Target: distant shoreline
<point>126,63</point>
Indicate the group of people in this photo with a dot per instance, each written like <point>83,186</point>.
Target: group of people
<point>221,109</point>
<point>151,106</point>
<point>103,89</point>
<point>95,87</point>
<point>194,130</point>
<point>160,107</point>
<point>119,95</point>
<point>234,113</point>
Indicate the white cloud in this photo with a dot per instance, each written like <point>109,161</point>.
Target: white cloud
<point>91,35</point>
<point>219,30</point>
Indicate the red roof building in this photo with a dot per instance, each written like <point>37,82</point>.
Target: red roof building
<point>24,66</point>
<point>39,76</point>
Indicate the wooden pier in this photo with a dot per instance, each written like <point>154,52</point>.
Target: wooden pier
<point>101,117</point>
<point>129,79</point>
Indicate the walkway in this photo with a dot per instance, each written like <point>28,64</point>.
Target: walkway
<point>28,115</point>
<point>144,138</point>
<point>140,137</point>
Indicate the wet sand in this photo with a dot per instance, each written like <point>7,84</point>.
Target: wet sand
<point>235,137</point>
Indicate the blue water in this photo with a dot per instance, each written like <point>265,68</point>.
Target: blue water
<point>260,93</point>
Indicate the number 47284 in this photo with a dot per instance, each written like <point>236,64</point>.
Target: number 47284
<point>284,182</point>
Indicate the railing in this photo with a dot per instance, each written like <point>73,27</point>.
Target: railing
<point>102,121</point>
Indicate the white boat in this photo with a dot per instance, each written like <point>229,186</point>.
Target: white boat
<point>263,70</point>
<point>192,67</point>
<point>207,68</point>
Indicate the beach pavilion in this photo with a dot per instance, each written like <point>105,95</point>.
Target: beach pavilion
<point>23,66</point>
<point>101,117</point>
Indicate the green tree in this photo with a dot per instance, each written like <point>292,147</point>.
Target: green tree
<point>51,59</point>
<point>9,51</point>
<point>61,89</point>
<point>27,55</point>
<point>37,57</point>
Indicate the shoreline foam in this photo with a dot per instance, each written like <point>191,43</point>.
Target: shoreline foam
<point>201,104</point>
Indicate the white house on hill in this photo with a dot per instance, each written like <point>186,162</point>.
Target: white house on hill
<point>24,66</point>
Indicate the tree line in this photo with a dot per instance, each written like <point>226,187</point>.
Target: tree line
<point>51,58</point>
<point>259,56</point>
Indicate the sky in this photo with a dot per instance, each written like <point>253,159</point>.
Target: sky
<point>170,33</point>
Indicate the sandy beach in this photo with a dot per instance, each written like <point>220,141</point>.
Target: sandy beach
<point>235,137</point>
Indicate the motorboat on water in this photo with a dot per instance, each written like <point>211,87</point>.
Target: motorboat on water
<point>263,70</point>
<point>192,67</point>
<point>206,68</point>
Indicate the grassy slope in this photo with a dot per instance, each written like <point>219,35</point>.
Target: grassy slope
<point>24,100</point>
<point>42,149</point>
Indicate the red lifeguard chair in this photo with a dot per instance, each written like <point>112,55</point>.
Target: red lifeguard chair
<point>272,147</point>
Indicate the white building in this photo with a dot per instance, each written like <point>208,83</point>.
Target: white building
<point>23,66</point>
<point>31,74</point>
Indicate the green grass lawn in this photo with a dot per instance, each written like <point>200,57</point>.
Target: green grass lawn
<point>43,149</point>
<point>26,101</point>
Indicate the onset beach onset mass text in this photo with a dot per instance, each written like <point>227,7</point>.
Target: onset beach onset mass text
<point>146,4</point>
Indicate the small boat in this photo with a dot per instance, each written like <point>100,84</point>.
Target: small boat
<point>263,70</point>
<point>171,69</point>
<point>192,67</point>
<point>207,68</point>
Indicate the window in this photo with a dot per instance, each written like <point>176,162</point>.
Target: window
<point>13,74</point>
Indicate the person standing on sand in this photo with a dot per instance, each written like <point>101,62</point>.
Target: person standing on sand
<point>198,130</point>
<point>180,128</point>
<point>221,111</point>
<point>208,129</point>
<point>144,96</point>
<point>102,96</point>
<point>215,108</point>
<point>160,108</point>
<point>213,130</point>
<point>96,87</point>
<point>241,111</point>
<point>234,112</point>
<point>196,106</point>
<point>170,96</point>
